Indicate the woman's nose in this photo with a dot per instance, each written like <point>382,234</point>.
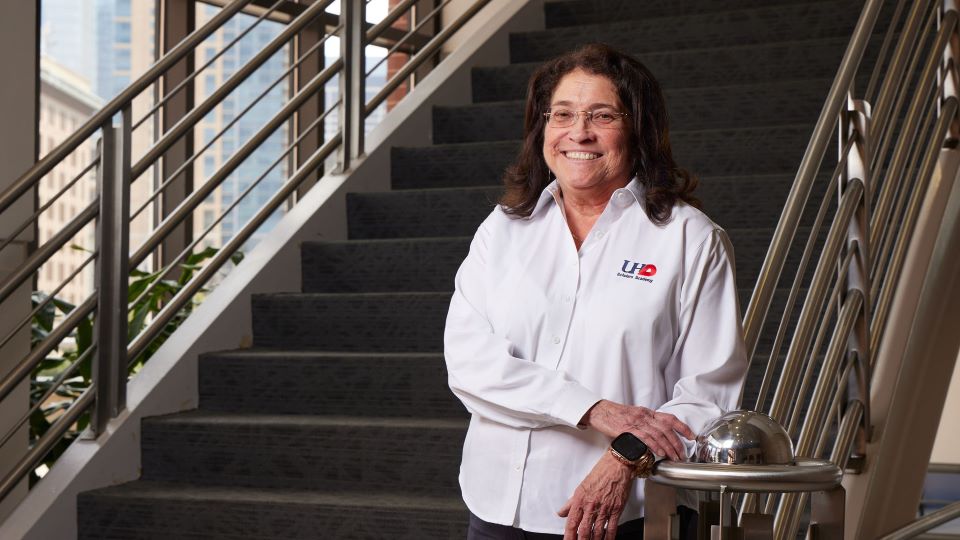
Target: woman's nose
<point>581,129</point>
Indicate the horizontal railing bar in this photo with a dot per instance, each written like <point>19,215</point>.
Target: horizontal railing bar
<point>52,296</point>
<point>422,55</point>
<point>907,183</point>
<point>905,229</point>
<point>140,343</point>
<point>199,238</point>
<point>832,303</point>
<point>193,75</point>
<point>800,190</point>
<point>404,39</point>
<point>894,75</point>
<point>48,204</point>
<point>183,166</point>
<point>884,48</point>
<point>115,105</point>
<point>196,114</point>
<point>798,277</point>
<point>50,391</point>
<point>909,130</point>
<point>885,131</point>
<point>815,296</point>
<point>812,424</point>
<point>48,249</point>
<point>787,517</point>
<point>925,523</point>
<point>398,11</point>
<point>46,442</point>
<point>26,364</point>
<point>189,204</point>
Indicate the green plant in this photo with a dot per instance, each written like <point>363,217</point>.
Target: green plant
<point>143,305</point>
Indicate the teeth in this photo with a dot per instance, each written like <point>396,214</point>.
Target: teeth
<point>581,155</point>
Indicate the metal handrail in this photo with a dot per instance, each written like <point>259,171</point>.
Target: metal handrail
<point>29,179</point>
<point>776,256</point>
<point>925,523</point>
<point>112,351</point>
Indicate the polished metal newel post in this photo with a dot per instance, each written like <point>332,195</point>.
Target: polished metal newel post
<point>112,271</point>
<point>352,109</point>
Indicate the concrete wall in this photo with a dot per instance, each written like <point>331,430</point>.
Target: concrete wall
<point>19,60</point>
<point>169,381</point>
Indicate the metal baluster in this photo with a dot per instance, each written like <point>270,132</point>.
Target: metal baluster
<point>112,273</point>
<point>352,13</point>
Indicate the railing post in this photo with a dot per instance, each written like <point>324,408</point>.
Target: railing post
<point>352,93</point>
<point>113,246</point>
<point>855,124</point>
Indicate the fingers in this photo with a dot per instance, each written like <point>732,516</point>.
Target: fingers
<point>566,508</point>
<point>661,443</point>
<point>675,424</point>
<point>587,523</point>
<point>573,521</point>
<point>612,523</point>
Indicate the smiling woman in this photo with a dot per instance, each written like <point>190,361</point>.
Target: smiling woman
<point>574,375</point>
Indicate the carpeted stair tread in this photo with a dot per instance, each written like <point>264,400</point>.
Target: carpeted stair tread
<point>320,452</point>
<point>740,201</point>
<point>708,152</point>
<point>338,383</point>
<point>163,510</point>
<point>763,24</point>
<point>582,12</point>
<point>711,66</point>
<point>740,105</point>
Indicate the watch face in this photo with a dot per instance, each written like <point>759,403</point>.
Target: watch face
<point>629,446</point>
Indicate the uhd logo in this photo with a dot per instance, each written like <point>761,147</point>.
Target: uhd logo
<point>640,271</point>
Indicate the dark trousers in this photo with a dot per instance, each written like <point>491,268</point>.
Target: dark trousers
<point>630,530</point>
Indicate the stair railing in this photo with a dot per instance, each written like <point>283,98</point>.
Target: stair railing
<point>888,144</point>
<point>113,352</point>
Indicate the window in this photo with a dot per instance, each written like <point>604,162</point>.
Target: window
<point>121,60</point>
<point>122,31</point>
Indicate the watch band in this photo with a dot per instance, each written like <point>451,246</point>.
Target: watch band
<point>641,467</point>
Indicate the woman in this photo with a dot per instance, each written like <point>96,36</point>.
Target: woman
<point>596,300</point>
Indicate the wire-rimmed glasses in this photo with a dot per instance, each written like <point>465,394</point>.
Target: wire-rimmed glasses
<point>603,118</point>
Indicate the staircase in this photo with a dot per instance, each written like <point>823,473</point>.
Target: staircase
<point>338,422</point>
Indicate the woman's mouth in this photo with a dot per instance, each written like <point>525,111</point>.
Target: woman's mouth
<point>581,156</point>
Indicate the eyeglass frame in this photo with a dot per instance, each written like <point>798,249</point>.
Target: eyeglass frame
<point>576,118</point>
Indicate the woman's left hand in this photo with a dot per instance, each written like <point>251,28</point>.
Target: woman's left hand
<point>596,504</point>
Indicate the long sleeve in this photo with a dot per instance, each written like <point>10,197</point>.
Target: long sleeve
<point>483,370</point>
<point>709,360</point>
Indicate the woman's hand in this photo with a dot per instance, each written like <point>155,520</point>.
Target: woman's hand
<point>658,430</point>
<point>596,504</point>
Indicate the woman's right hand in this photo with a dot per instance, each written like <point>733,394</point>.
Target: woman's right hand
<point>660,431</point>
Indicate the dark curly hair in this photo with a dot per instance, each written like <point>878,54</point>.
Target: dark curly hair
<point>648,140</point>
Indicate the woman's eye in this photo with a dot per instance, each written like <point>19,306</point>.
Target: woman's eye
<point>562,115</point>
<point>603,116</point>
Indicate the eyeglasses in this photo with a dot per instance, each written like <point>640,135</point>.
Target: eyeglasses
<point>566,118</point>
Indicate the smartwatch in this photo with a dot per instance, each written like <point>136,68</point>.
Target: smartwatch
<point>628,449</point>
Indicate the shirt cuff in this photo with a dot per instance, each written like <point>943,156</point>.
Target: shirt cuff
<point>574,402</point>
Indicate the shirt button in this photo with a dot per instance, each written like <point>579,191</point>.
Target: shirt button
<point>556,340</point>
<point>517,468</point>
<point>599,234</point>
<point>566,298</point>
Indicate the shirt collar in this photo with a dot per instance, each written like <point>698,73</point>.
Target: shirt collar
<point>552,193</point>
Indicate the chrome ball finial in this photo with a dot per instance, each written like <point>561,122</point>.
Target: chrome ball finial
<point>744,437</point>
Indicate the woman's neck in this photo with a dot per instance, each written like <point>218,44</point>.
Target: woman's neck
<point>582,208</point>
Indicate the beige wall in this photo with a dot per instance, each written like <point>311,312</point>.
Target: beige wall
<point>946,447</point>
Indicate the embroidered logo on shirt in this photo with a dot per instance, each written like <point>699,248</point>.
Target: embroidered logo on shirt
<point>640,271</point>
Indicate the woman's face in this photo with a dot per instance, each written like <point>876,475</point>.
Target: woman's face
<point>586,157</point>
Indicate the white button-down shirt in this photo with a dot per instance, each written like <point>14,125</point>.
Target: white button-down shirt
<point>538,332</point>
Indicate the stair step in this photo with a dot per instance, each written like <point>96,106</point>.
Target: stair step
<point>419,212</point>
<point>764,24</point>
<point>735,151</point>
<point>581,12</point>
<point>711,66</point>
<point>311,382</point>
<point>153,510</point>
<point>730,201</point>
<point>395,265</point>
<point>740,105</point>
<point>364,322</point>
<point>415,455</point>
